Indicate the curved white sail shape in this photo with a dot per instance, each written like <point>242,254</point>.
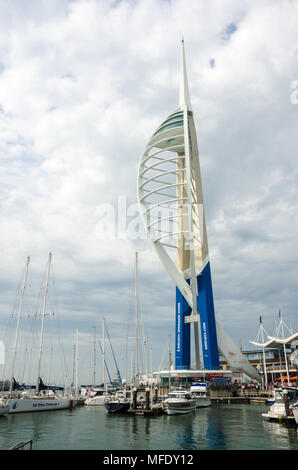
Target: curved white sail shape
<point>171,202</point>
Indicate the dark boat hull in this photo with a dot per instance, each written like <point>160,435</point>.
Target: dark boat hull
<point>116,407</point>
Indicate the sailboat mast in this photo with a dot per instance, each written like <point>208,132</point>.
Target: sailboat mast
<point>137,319</point>
<point>18,323</point>
<point>281,326</point>
<point>43,319</point>
<point>74,365</point>
<point>131,367</point>
<point>264,355</point>
<point>118,372</point>
<point>94,356</point>
<point>151,376</point>
<point>77,363</point>
<point>103,351</point>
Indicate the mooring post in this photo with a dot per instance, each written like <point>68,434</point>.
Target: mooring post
<point>286,400</point>
<point>147,398</point>
<point>134,398</point>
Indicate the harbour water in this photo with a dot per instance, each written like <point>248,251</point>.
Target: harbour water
<point>220,427</point>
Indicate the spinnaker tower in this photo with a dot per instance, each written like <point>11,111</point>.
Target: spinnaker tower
<point>171,202</point>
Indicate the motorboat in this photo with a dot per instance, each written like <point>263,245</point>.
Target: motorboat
<point>278,409</point>
<point>199,391</point>
<point>4,407</point>
<point>117,403</point>
<point>98,399</point>
<point>179,402</point>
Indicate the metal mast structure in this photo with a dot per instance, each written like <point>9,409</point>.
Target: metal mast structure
<point>103,352</point>
<point>18,324</point>
<point>76,363</point>
<point>261,342</point>
<point>137,316</point>
<point>44,308</point>
<point>94,355</point>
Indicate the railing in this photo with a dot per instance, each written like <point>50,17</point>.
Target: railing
<point>276,368</point>
<point>21,445</point>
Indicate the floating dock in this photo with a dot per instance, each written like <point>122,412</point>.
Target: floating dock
<point>280,419</point>
<point>241,399</point>
<point>230,400</point>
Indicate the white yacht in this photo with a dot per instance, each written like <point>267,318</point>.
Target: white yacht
<point>179,402</point>
<point>98,399</point>
<point>278,409</point>
<point>27,404</point>
<point>198,391</point>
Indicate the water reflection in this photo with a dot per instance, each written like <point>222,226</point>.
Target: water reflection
<point>181,427</point>
<point>215,430</point>
<point>223,427</point>
<point>285,435</point>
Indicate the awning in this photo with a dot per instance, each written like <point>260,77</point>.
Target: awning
<point>285,377</point>
<point>276,343</point>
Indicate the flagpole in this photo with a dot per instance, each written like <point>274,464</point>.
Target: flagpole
<point>264,356</point>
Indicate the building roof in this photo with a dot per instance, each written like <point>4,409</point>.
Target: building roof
<point>277,343</point>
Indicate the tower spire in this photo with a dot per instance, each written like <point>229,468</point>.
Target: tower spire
<point>184,98</point>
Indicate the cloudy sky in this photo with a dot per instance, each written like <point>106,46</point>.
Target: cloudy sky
<point>83,85</point>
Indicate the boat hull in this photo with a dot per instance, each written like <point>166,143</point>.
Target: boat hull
<point>4,410</point>
<point>95,401</point>
<point>116,407</point>
<point>199,392</point>
<point>178,408</point>
<point>276,412</point>
<point>271,416</point>
<point>29,405</point>
<point>203,402</point>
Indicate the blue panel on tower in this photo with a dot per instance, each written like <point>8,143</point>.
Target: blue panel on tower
<point>182,338</point>
<point>207,317</point>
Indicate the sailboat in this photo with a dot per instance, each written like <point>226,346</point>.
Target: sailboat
<point>100,394</point>
<point>118,402</point>
<point>44,398</point>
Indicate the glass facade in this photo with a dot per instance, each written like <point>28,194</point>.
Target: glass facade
<point>168,126</point>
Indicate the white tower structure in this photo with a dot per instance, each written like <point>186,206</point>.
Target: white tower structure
<point>171,202</point>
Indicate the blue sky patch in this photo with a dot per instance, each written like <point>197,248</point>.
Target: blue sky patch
<point>212,63</point>
<point>228,31</point>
